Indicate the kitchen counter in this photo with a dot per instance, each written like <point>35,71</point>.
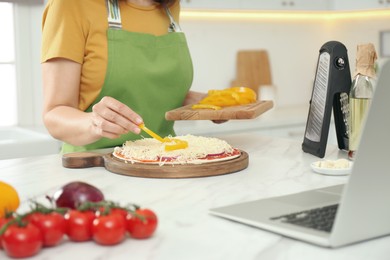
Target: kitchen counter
<point>186,230</point>
<point>286,122</point>
<point>13,138</point>
<point>275,118</point>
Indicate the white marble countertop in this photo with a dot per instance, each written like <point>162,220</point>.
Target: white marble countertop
<point>186,230</point>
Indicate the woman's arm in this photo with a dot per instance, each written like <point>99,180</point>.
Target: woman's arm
<point>64,121</point>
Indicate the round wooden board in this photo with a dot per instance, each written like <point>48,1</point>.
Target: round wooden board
<point>118,166</point>
<point>115,165</point>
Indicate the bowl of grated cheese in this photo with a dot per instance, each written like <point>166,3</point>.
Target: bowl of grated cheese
<point>332,167</point>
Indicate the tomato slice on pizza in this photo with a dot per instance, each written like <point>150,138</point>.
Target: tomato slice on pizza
<point>200,150</point>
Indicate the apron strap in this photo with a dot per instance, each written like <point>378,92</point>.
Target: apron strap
<point>113,14</point>
<point>114,17</point>
<point>173,25</point>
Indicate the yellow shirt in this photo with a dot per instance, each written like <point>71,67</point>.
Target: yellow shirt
<point>76,30</point>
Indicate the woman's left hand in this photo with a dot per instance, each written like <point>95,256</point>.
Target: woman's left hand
<point>219,121</point>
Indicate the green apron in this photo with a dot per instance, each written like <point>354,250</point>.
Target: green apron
<point>151,74</point>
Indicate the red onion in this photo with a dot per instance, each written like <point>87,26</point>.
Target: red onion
<point>73,194</point>
<point>215,154</point>
<point>168,158</point>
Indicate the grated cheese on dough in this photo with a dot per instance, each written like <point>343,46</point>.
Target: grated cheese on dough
<point>150,149</point>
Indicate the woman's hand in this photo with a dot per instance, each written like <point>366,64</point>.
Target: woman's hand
<point>111,118</point>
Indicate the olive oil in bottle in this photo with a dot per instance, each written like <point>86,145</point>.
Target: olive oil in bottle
<point>361,93</point>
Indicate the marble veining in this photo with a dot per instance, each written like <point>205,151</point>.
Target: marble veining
<point>186,229</point>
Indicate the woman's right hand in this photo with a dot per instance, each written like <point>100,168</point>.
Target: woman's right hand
<point>111,118</point>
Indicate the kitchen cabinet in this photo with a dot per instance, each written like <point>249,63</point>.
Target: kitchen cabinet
<point>360,4</point>
<point>207,4</point>
<point>324,5</point>
<point>257,4</point>
<point>285,4</point>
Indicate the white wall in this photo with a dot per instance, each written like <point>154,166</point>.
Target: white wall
<point>355,31</point>
<point>293,46</point>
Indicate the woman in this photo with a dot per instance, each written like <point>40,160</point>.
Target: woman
<point>110,65</point>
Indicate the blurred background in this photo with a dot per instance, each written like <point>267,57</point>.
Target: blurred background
<point>290,33</point>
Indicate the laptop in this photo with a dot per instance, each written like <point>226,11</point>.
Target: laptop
<point>359,210</point>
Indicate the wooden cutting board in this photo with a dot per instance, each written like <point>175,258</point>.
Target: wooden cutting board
<point>115,165</point>
<point>248,111</point>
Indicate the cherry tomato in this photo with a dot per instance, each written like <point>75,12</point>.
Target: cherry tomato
<point>3,221</point>
<point>120,212</point>
<point>143,224</point>
<point>51,225</point>
<point>112,210</point>
<point>22,241</point>
<point>109,229</point>
<point>79,225</point>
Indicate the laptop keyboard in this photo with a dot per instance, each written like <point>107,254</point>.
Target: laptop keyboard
<point>318,218</point>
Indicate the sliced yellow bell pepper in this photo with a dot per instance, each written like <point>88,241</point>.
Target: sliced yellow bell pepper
<point>233,96</point>
<point>150,132</point>
<point>206,106</point>
<point>177,144</point>
<point>245,92</point>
